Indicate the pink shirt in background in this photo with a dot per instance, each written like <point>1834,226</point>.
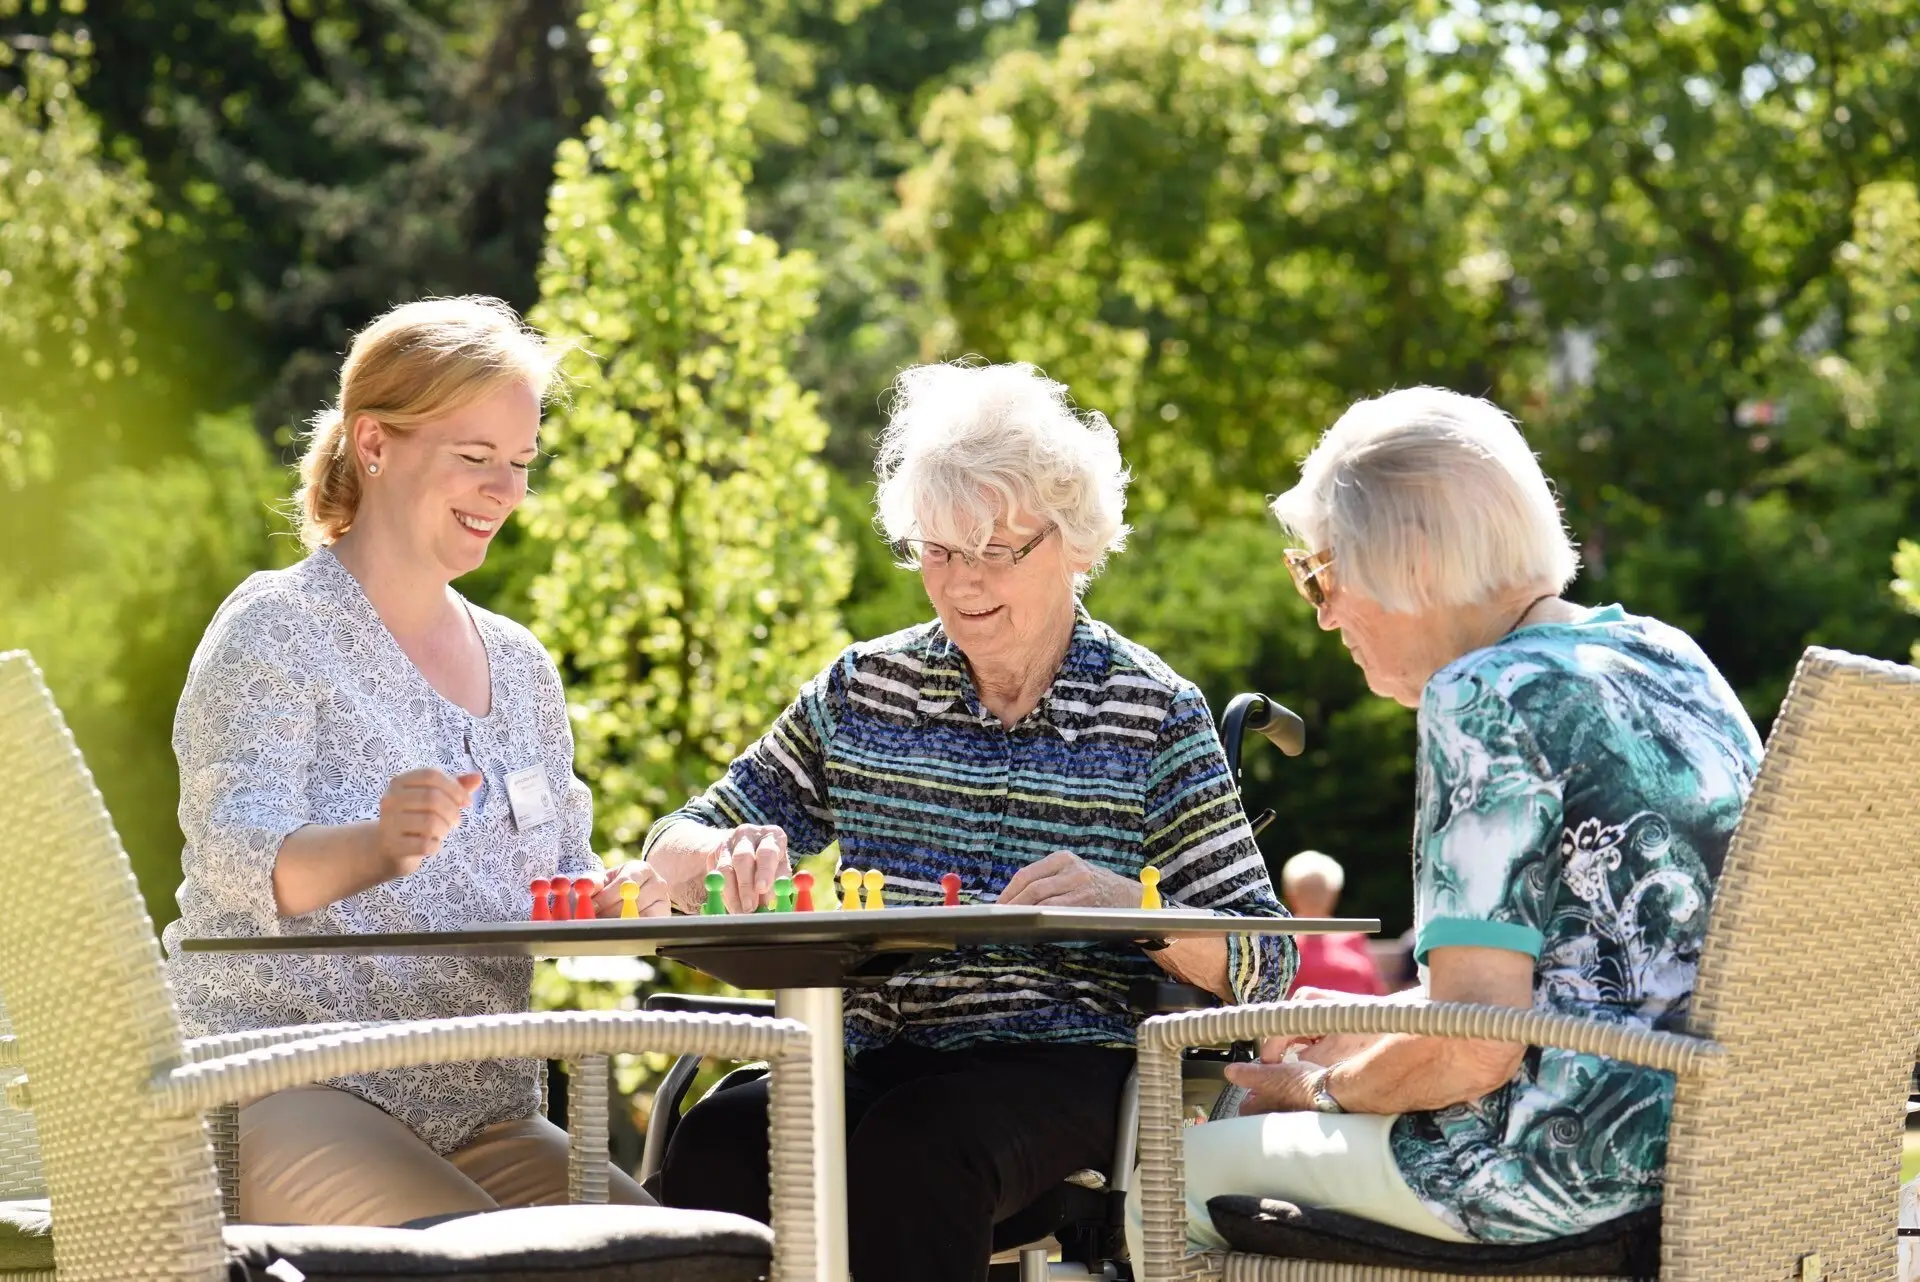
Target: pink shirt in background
<point>1337,962</point>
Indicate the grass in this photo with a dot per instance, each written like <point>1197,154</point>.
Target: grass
<point>1910,1159</point>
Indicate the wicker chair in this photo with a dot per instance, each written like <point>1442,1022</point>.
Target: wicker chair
<point>1784,1152</point>
<point>26,1252</point>
<point>120,1100</point>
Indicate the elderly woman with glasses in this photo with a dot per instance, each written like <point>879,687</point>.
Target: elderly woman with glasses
<point>1580,773</point>
<point>1034,752</point>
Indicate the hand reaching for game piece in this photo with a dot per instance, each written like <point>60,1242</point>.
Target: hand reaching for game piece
<point>654,898</point>
<point>1064,880</point>
<point>1323,1051</point>
<point>417,812</point>
<point>752,857</point>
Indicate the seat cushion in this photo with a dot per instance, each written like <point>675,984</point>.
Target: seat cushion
<point>26,1236</point>
<point>1626,1247</point>
<point>528,1244</point>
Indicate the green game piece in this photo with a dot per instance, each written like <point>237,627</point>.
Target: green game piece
<point>716,905</point>
<point>783,895</point>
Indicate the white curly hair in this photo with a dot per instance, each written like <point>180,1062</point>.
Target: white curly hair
<point>969,444</point>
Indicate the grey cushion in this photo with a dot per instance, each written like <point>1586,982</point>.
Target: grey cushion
<point>1626,1247</point>
<point>527,1244</point>
<point>26,1236</point>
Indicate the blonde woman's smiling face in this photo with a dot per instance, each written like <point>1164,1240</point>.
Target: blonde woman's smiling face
<point>446,487</point>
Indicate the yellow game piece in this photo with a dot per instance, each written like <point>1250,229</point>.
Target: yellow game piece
<point>1150,888</point>
<point>629,899</point>
<point>849,890</point>
<point>875,880</point>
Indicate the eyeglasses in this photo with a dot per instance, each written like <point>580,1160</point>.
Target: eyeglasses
<point>1310,573</point>
<point>914,554</point>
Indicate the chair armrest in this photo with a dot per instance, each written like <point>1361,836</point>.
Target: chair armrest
<point>220,1045</point>
<point>1163,1194</point>
<point>1629,1043</point>
<point>260,1070</point>
<point>785,1043</point>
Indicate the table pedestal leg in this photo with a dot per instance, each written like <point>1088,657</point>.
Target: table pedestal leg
<point>820,1010</point>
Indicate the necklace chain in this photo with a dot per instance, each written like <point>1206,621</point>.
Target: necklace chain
<point>1515,625</point>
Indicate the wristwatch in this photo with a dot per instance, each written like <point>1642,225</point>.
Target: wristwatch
<point>1323,1100</point>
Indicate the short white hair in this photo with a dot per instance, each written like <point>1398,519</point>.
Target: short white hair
<point>1429,498</point>
<point>1319,867</point>
<point>968,444</point>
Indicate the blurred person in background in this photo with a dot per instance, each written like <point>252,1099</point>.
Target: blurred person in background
<point>1310,885</point>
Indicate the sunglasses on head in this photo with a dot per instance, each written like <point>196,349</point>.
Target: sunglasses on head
<point>1309,571</point>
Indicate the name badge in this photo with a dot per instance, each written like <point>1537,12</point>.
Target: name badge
<point>531,799</point>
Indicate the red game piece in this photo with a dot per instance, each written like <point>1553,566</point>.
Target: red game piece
<point>803,891</point>
<point>562,901</point>
<point>541,892</point>
<point>950,883</point>
<point>583,898</point>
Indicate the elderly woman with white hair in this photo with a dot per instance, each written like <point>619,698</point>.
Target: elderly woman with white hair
<point>1031,750</point>
<point>1580,773</point>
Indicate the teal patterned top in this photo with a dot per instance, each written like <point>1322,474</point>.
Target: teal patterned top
<point>1578,786</point>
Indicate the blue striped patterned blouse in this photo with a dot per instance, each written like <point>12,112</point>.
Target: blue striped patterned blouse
<point>890,752</point>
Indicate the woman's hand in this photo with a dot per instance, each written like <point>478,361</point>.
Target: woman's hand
<point>321,864</point>
<point>417,812</point>
<point>1063,880</point>
<point>752,857</point>
<point>1318,1050</point>
<point>655,898</point>
<point>1274,1088</point>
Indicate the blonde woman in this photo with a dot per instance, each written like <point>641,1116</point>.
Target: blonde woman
<point>362,749</point>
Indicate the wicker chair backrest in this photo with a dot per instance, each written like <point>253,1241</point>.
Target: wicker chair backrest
<point>1811,978</point>
<point>20,1174</point>
<point>134,1196</point>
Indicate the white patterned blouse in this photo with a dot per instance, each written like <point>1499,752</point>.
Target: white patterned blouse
<point>299,707</point>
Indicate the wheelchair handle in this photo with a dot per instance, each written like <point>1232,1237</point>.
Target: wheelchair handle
<point>1263,716</point>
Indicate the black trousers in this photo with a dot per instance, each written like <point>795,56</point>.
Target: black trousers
<point>941,1145</point>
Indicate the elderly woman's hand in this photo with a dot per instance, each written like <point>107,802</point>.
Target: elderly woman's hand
<point>1318,1050</point>
<point>655,897</point>
<point>1273,1088</point>
<point>751,857</point>
<point>1063,880</point>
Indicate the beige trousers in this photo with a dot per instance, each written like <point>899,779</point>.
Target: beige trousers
<point>316,1155</point>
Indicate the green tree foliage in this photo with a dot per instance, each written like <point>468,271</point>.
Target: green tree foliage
<point>69,218</point>
<point>1690,199</point>
<point>1675,240</point>
<point>843,84</point>
<point>1906,583</point>
<point>118,552</point>
<point>319,160</point>
<point>695,567</point>
<point>150,552</point>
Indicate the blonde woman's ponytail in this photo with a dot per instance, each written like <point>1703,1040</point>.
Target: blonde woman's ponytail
<point>329,495</point>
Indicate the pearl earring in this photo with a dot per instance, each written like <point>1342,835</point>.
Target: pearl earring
<point>373,469</point>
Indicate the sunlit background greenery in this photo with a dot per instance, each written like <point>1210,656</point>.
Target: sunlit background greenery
<point>1681,242</point>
